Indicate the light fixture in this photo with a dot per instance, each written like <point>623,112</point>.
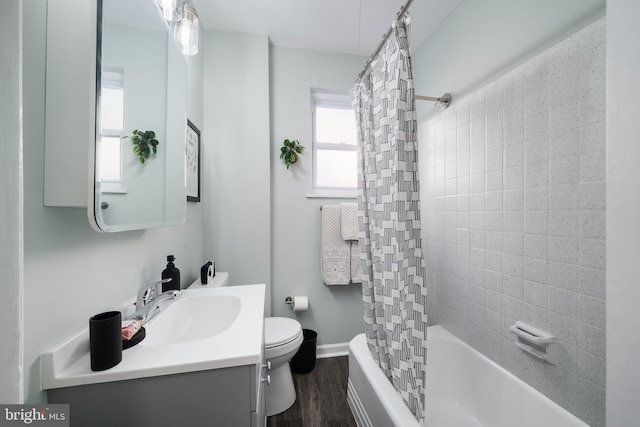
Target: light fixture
<point>170,10</point>
<point>186,30</point>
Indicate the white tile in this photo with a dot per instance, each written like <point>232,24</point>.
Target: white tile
<point>593,195</point>
<point>493,221</point>
<point>563,249</point>
<point>477,165</point>
<point>563,301</point>
<point>514,200</point>
<point>513,266</point>
<point>513,286</point>
<point>563,327</point>
<point>514,155</point>
<point>536,150</point>
<point>494,241</point>
<point>536,246</point>
<point>536,175</point>
<point>451,187</point>
<point>463,185</point>
<point>478,220</point>
<point>477,257</point>
<point>513,127</point>
<point>564,171</point>
<point>564,197</point>
<point>493,200</point>
<point>477,201</point>
<point>564,89</point>
<point>592,282</point>
<point>478,239</point>
<point>563,275</point>
<point>536,222</point>
<point>536,128</point>
<point>564,143</point>
<point>493,261</point>
<point>450,170</point>
<point>463,220</point>
<point>536,270</point>
<point>592,368</point>
<point>564,59</point>
<point>592,311</point>
<point>565,117</point>
<point>464,149</point>
<point>463,203</point>
<point>513,243</point>
<point>535,316</point>
<point>591,339</point>
<point>493,280</point>
<point>536,293</point>
<point>477,183</point>
<point>564,223</point>
<point>513,222</point>
<point>536,198</point>
<point>514,178</point>
<point>494,180</point>
<point>462,168</point>
<point>494,160</point>
<point>592,224</point>
<point>592,253</point>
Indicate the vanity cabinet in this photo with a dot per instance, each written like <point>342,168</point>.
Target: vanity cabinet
<point>227,397</point>
<point>178,380</point>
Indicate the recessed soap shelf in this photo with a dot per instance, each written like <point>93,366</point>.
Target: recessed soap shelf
<point>532,340</point>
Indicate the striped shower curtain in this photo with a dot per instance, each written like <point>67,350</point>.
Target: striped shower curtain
<point>393,273</point>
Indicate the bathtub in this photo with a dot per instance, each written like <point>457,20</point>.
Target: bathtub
<point>464,389</point>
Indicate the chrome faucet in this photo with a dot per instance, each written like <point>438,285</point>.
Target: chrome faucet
<point>147,303</point>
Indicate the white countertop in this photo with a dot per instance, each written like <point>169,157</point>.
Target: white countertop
<point>68,364</point>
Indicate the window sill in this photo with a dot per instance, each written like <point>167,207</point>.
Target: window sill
<point>332,194</point>
<point>112,187</point>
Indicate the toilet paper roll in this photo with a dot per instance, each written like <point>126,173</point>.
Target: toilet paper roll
<point>300,303</point>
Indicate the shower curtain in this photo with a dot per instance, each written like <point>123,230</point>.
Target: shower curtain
<point>394,289</point>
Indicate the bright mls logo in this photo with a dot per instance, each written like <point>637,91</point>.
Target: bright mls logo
<point>37,415</point>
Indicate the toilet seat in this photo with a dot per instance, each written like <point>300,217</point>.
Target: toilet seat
<point>280,331</point>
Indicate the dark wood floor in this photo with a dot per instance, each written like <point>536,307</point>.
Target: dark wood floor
<point>321,397</point>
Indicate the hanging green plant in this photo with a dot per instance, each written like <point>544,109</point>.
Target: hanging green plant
<point>290,150</point>
<point>144,143</point>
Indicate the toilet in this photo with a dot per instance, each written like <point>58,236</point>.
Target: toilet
<point>282,339</point>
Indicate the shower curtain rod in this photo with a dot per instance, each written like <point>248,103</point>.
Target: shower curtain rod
<point>443,101</point>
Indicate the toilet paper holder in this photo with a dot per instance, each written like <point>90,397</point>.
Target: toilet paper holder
<point>288,300</point>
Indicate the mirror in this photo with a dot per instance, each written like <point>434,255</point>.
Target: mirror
<point>141,86</point>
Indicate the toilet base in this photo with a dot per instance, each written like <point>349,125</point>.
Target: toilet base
<point>280,393</point>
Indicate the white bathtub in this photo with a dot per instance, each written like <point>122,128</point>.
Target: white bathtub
<point>464,389</point>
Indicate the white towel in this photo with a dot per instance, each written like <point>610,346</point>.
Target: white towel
<point>335,252</point>
<point>349,221</point>
<point>356,271</point>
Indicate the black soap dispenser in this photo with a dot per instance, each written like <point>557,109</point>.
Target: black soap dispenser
<point>171,272</point>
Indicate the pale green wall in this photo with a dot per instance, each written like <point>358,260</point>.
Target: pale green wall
<point>237,231</point>
<point>10,205</point>
<point>72,272</point>
<point>335,311</point>
<point>481,40</point>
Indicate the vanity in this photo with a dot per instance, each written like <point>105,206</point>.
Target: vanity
<point>202,363</point>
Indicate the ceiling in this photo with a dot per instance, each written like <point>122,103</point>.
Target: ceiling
<point>347,26</point>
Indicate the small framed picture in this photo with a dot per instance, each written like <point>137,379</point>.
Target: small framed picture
<point>193,162</point>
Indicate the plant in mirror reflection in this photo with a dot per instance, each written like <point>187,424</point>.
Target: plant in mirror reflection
<point>144,142</point>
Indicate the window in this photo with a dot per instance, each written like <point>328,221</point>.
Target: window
<point>111,125</point>
<point>334,143</point>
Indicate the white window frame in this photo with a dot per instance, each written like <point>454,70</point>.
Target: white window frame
<point>331,99</point>
<point>113,78</point>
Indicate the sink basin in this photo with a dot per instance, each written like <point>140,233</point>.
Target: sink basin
<point>192,319</point>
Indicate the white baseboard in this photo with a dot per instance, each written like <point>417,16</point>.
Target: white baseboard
<point>332,350</point>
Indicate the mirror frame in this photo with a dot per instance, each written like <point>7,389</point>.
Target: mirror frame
<point>94,205</point>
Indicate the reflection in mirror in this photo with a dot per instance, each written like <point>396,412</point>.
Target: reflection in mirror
<point>141,85</point>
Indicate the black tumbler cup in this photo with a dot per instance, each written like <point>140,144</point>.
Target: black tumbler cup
<point>105,340</point>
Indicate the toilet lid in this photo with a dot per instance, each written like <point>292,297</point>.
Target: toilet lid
<point>280,330</point>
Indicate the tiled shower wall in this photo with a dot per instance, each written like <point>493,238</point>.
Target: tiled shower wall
<point>513,202</point>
